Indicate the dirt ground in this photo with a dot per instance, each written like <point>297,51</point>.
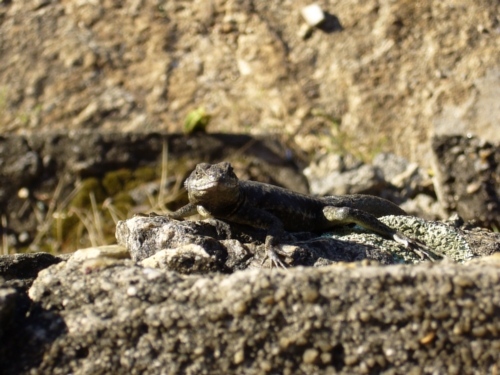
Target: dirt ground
<point>380,75</point>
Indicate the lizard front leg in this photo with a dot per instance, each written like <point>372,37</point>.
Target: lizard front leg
<point>258,218</point>
<point>346,215</point>
<point>185,211</point>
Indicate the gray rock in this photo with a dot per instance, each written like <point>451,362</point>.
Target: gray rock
<point>185,259</point>
<point>390,164</point>
<point>99,312</point>
<point>402,174</point>
<point>424,206</point>
<point>144,236</point>
<point>109,251</point>
<point>211,245</point>
<point>124,319</point>
<point>482,242</point>
<point>439,237</point>
<point>389,176</point>
<point>337,175</point>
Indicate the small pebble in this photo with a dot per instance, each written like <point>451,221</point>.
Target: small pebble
<point>310,356</point>
<point>23,193</point>
<point>313,14</point>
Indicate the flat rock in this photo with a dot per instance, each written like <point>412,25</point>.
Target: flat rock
<point>168,312</point>
<point>346,319</point>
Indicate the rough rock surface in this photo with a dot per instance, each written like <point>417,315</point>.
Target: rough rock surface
<point>99,312</point>
<point>211,245</point>
<point>120,318</point>
<point>468,178</point>
<point>25,267</point>
<point>362,86</point>
<point>388,176</point>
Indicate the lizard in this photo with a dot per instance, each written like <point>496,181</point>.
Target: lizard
<point>215,191</point>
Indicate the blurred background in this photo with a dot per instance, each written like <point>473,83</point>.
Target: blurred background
<point>355,77</point>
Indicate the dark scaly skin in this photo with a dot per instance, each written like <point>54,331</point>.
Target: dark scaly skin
<point>215,191</point>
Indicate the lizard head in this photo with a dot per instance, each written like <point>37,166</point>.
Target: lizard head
<point>212,181</point>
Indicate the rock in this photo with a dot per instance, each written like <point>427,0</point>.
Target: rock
<point>424,206</point>
<point>144,236</point>
<point>313,14</point>
<point>347,318</point>
<point>402,174</point>
<point>187,246</point>
<point>363,180</point>
<point>340,175</point>
<point>25,267</point>
<point>239,253</point>
<point>8,299</point>
<point>16,329</point>
<point>96,312</point>
<point>467,182</point>
<point>389,176</point>
<point>439,237</point>
<point>205,246</point>
<point>482,242</point>
<point>186,259</point>
<point>304,31</point>
<point>111,251</point>
<point>211,245</point>
<point>390,164</point>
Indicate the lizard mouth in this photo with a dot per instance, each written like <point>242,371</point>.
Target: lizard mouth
<point>213,184</point>
<point>206,186</point>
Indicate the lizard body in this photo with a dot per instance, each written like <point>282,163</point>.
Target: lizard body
<point>215,191</point>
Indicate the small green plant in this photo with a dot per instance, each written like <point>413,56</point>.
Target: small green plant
<point>196,121</point>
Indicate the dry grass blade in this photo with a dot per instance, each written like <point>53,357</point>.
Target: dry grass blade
<point>152,201</point>
<point>115,214</point>
<point>48,218</point>
<point>5,244</point>
<point>97,220</point>
<point>163,179</point>
<point>87,220</point>
<point>59,217</point>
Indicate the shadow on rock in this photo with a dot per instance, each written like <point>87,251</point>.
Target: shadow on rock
<point>27,330</point>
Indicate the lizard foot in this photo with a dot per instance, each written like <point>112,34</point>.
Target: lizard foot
<point>417,247</point>
<point>274,258</point>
